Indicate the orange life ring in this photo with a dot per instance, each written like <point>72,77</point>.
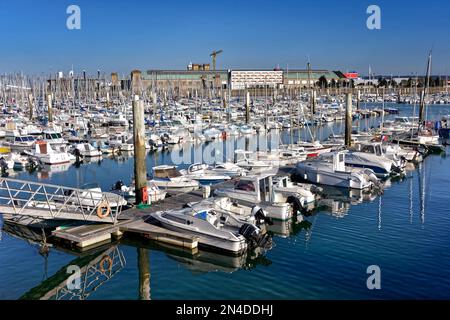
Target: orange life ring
<point>108,260</point>
<point>100,212</point>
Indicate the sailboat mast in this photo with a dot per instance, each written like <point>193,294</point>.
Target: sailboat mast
<point>424,92</point>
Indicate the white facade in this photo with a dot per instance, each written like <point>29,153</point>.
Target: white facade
<point>253,78</point>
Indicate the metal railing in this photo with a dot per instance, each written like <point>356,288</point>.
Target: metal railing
<point>47,201</point>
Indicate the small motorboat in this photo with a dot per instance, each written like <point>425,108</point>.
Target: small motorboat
<point>170,179</point>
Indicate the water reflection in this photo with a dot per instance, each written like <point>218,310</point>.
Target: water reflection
<point>99,265</point>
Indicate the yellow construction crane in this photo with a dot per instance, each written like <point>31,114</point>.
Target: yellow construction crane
<point>213,55</point>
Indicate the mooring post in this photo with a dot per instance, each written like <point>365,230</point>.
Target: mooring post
<point>144,274</point>
<point>140,169</point>
<point>247,106</point>
<point>30,103</point>
<point>313,101</point>
<point>358,98</point>
<point>348,120</point>
<point>49,108</point>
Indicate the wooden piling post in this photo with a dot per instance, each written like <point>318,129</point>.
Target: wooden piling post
<point>247,106</point>
<point>358,99</point>
<point>144,274</point>
<point>30,104</point>
<point>313,101</point>
<point>140,168</point>
<point>49,108</point>
<point>348,120</point>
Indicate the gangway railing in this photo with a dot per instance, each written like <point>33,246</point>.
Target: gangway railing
<point>47,201</point>
<point>95,274</point>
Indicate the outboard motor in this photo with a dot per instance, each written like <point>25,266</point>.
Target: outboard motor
<point>118,185</point>
<point>77,154</point>
<point>3,165</point>
<point>296,205</point>
<point>254,237</point>
<point>396,170</point>
<point>260,216</point>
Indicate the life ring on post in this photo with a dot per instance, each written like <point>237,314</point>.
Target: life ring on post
<point>103,214</point>
<point>144,193</point>
<point>108,261</point>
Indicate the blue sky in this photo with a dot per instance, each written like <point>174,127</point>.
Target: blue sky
<point>123,35</point>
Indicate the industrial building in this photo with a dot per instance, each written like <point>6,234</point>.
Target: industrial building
<point>184,81</point>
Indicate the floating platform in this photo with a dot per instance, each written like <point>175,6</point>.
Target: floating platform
<point>156,233</point>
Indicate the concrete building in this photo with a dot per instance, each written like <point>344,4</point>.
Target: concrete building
<point>184,81</point>
<point>241,79</point>
<point>300,78</point>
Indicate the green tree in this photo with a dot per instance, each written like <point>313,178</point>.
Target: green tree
<point>323,83</point>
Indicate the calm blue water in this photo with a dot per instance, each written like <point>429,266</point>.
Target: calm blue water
<point>404,232</point>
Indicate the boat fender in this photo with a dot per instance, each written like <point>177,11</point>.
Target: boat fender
<point>109,263</point>
<point>100,213</point>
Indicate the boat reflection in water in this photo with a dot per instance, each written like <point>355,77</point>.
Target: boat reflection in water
<point>289,228</point>
<point>46,170</point>
<point>99,265</point>
<point>202,261</point>
<point>338,201</point>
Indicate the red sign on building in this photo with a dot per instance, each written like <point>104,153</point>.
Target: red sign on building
<point>351,75</point>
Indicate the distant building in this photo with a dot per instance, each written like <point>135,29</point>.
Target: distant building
<point>241,79</point>
<point>305,78</point>
<point>183,81</point>
<point>198,67</point>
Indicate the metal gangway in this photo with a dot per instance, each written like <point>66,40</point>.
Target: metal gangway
<point>46,201</point>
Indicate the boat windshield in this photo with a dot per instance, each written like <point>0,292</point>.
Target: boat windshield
<point>245,186</point>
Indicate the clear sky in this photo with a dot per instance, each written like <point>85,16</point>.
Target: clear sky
<point>123,35</point>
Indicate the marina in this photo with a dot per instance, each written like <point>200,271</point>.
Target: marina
<point>70,233</point>
<point>223,155</point>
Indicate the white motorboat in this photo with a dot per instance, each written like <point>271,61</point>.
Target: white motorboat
<point>226,168</point>
<point>382,166</point>
<point>19,140</point>
<point>154,193</point>
<point>251,165</point>
<point>213,229</point>
<point>330,169</point>
<point>258,190</point>
<point>47,155</point>
<point>169,178</point>
<point>87,150</point>
<point>284,188</point>
<point>201,173</point>
<point>53,137</point>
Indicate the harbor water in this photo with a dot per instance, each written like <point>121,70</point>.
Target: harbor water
<point>403,231</point>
